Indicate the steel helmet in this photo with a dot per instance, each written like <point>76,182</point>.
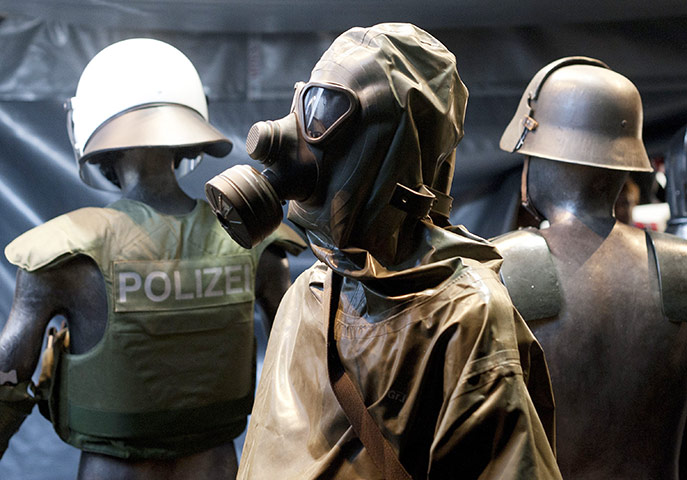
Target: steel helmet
<point>578,110</point>
<point>140,92</point>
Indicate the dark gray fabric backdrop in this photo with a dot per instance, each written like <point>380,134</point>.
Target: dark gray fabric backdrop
<point>249,76</point>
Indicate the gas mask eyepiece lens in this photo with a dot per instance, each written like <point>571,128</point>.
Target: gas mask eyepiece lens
<point>323,108</point>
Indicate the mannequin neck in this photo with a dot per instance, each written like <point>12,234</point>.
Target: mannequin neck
<point>147,175</point>
<point>560,191</point>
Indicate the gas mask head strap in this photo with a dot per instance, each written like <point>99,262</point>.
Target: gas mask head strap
<point>418,204</point>
<point>529,123</point>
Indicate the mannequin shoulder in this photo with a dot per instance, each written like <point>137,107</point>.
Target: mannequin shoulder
<point>72,276</point>
<point>286,239</point>
<point>529,274</point>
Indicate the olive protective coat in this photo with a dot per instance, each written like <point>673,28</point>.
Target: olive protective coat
<point>446,366</point>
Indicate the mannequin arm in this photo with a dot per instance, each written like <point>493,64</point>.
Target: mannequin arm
<point>271,282</point>
<point>73,289</point>
<point>20,344</point>
<point>35,303</point>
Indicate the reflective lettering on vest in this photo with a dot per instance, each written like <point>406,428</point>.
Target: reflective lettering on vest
<point>166,289</point>
<point>178,294</point>
<point>216,272</point>
<point>179,284</point>
<point>235,279</point>
<point>199,283</point>
<point>124,285</point>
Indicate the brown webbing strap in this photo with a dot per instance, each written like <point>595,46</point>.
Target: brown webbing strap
<point>349,397</point>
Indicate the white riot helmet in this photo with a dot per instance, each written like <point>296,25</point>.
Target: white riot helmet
<point>140,92</point>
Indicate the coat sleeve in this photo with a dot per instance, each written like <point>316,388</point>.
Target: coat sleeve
<point>286,238</point>
<point>489,427</point>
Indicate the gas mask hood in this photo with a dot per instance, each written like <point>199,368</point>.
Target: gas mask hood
<point>369,143</point>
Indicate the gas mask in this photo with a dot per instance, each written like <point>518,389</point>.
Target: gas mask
<point>247,202</point>
<point>369,142</point>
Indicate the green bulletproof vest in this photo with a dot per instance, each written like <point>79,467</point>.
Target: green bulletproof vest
<point>174,372</point>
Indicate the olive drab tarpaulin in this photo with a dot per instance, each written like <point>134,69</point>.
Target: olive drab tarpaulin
<point>349,398</point>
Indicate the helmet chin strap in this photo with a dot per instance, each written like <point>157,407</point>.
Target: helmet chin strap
<point>525,196</point>
<point>69,110</point>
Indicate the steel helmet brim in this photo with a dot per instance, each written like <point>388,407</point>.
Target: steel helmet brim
<point>586,148</point>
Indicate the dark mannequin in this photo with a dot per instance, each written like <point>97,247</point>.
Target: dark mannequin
<point>395,355</point>
<point>75,290</point>
<point>676,173</point>
<point>618,367</point>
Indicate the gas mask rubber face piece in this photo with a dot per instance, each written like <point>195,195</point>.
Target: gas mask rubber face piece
<point>247,202</point>
<point>370,140</point>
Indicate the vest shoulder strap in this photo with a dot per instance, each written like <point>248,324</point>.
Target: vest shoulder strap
<point>73,233</point>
